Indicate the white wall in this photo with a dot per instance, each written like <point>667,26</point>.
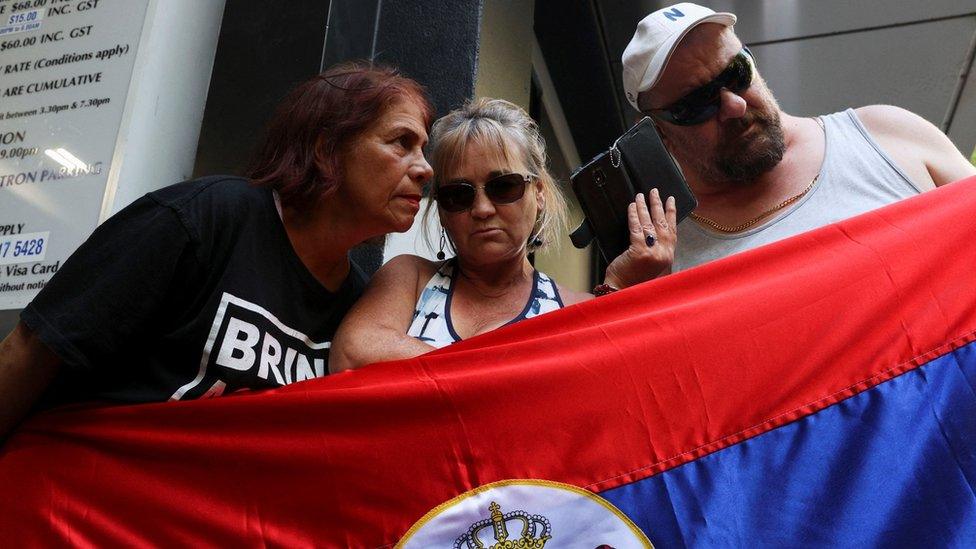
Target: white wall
<point>157,142</point>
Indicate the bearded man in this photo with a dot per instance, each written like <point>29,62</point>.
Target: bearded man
<point>760,174</point>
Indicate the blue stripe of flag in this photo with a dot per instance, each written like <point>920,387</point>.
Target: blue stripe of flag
<point>894,466</point>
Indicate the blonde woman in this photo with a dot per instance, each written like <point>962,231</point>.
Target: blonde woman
<point>497,203</point>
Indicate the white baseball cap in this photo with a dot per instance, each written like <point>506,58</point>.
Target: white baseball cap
<point>657,35</point>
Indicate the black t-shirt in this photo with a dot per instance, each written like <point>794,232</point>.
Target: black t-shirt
<point>191,291</point>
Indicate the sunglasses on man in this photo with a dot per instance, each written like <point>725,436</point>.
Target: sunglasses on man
<point>458,196</point>
<point>704,102</point>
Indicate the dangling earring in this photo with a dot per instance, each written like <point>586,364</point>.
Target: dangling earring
<point>440,253</point>
<point>535,241</point>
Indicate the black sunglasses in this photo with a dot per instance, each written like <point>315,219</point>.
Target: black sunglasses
<point>703,103</point>
<point>459,196</point>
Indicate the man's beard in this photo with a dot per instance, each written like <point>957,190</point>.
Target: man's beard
<point>739,160</point>
<point>742,159</point>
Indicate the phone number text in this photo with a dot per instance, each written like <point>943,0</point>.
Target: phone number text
<point>23,248</point>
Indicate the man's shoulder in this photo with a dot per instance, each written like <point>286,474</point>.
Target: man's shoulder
<point>892,121</point>
<point>915,144</point>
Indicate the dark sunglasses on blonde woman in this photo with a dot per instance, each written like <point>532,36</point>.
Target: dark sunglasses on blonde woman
<point>458,196</point>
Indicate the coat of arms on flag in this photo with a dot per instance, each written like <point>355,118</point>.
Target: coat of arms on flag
<point>573,518</point>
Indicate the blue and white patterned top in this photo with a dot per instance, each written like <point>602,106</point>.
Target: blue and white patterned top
<point>432,315</point>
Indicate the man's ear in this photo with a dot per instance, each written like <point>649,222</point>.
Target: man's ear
<point>644,101</point>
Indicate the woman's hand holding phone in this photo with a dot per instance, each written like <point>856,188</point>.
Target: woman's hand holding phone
<point>653,235</point>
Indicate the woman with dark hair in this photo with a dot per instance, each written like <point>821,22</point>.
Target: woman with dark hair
<point>223,283</point>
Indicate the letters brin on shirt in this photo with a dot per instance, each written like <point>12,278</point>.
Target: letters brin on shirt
<point>249,348</point>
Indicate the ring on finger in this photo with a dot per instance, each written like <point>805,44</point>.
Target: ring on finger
<point>649,239</point>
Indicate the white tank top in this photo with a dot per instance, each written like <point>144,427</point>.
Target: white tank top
<point>856,177</point>
<point>432,315</point>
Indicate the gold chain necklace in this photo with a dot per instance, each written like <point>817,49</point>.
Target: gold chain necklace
<point>743,226</point>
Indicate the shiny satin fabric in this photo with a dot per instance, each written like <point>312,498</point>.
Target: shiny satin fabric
<point>816,391</point>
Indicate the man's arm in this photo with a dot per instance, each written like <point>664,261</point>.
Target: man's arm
<point>375,329</point>
<point>27,367</point>
<point>920,149</point>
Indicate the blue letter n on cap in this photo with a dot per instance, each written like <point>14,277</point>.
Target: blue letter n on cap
<point>673,14</point>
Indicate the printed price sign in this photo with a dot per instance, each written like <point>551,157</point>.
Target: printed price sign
<point>65,72</point>
<point>21,22</point>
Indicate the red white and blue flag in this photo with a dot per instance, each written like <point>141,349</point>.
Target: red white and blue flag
<point>820,391</point>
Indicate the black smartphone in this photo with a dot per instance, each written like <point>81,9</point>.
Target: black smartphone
<point>606,185</point>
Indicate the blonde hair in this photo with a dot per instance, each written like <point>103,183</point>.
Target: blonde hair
<point>500,125</point>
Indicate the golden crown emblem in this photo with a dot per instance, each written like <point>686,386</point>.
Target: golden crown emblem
<point>535,531</point>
